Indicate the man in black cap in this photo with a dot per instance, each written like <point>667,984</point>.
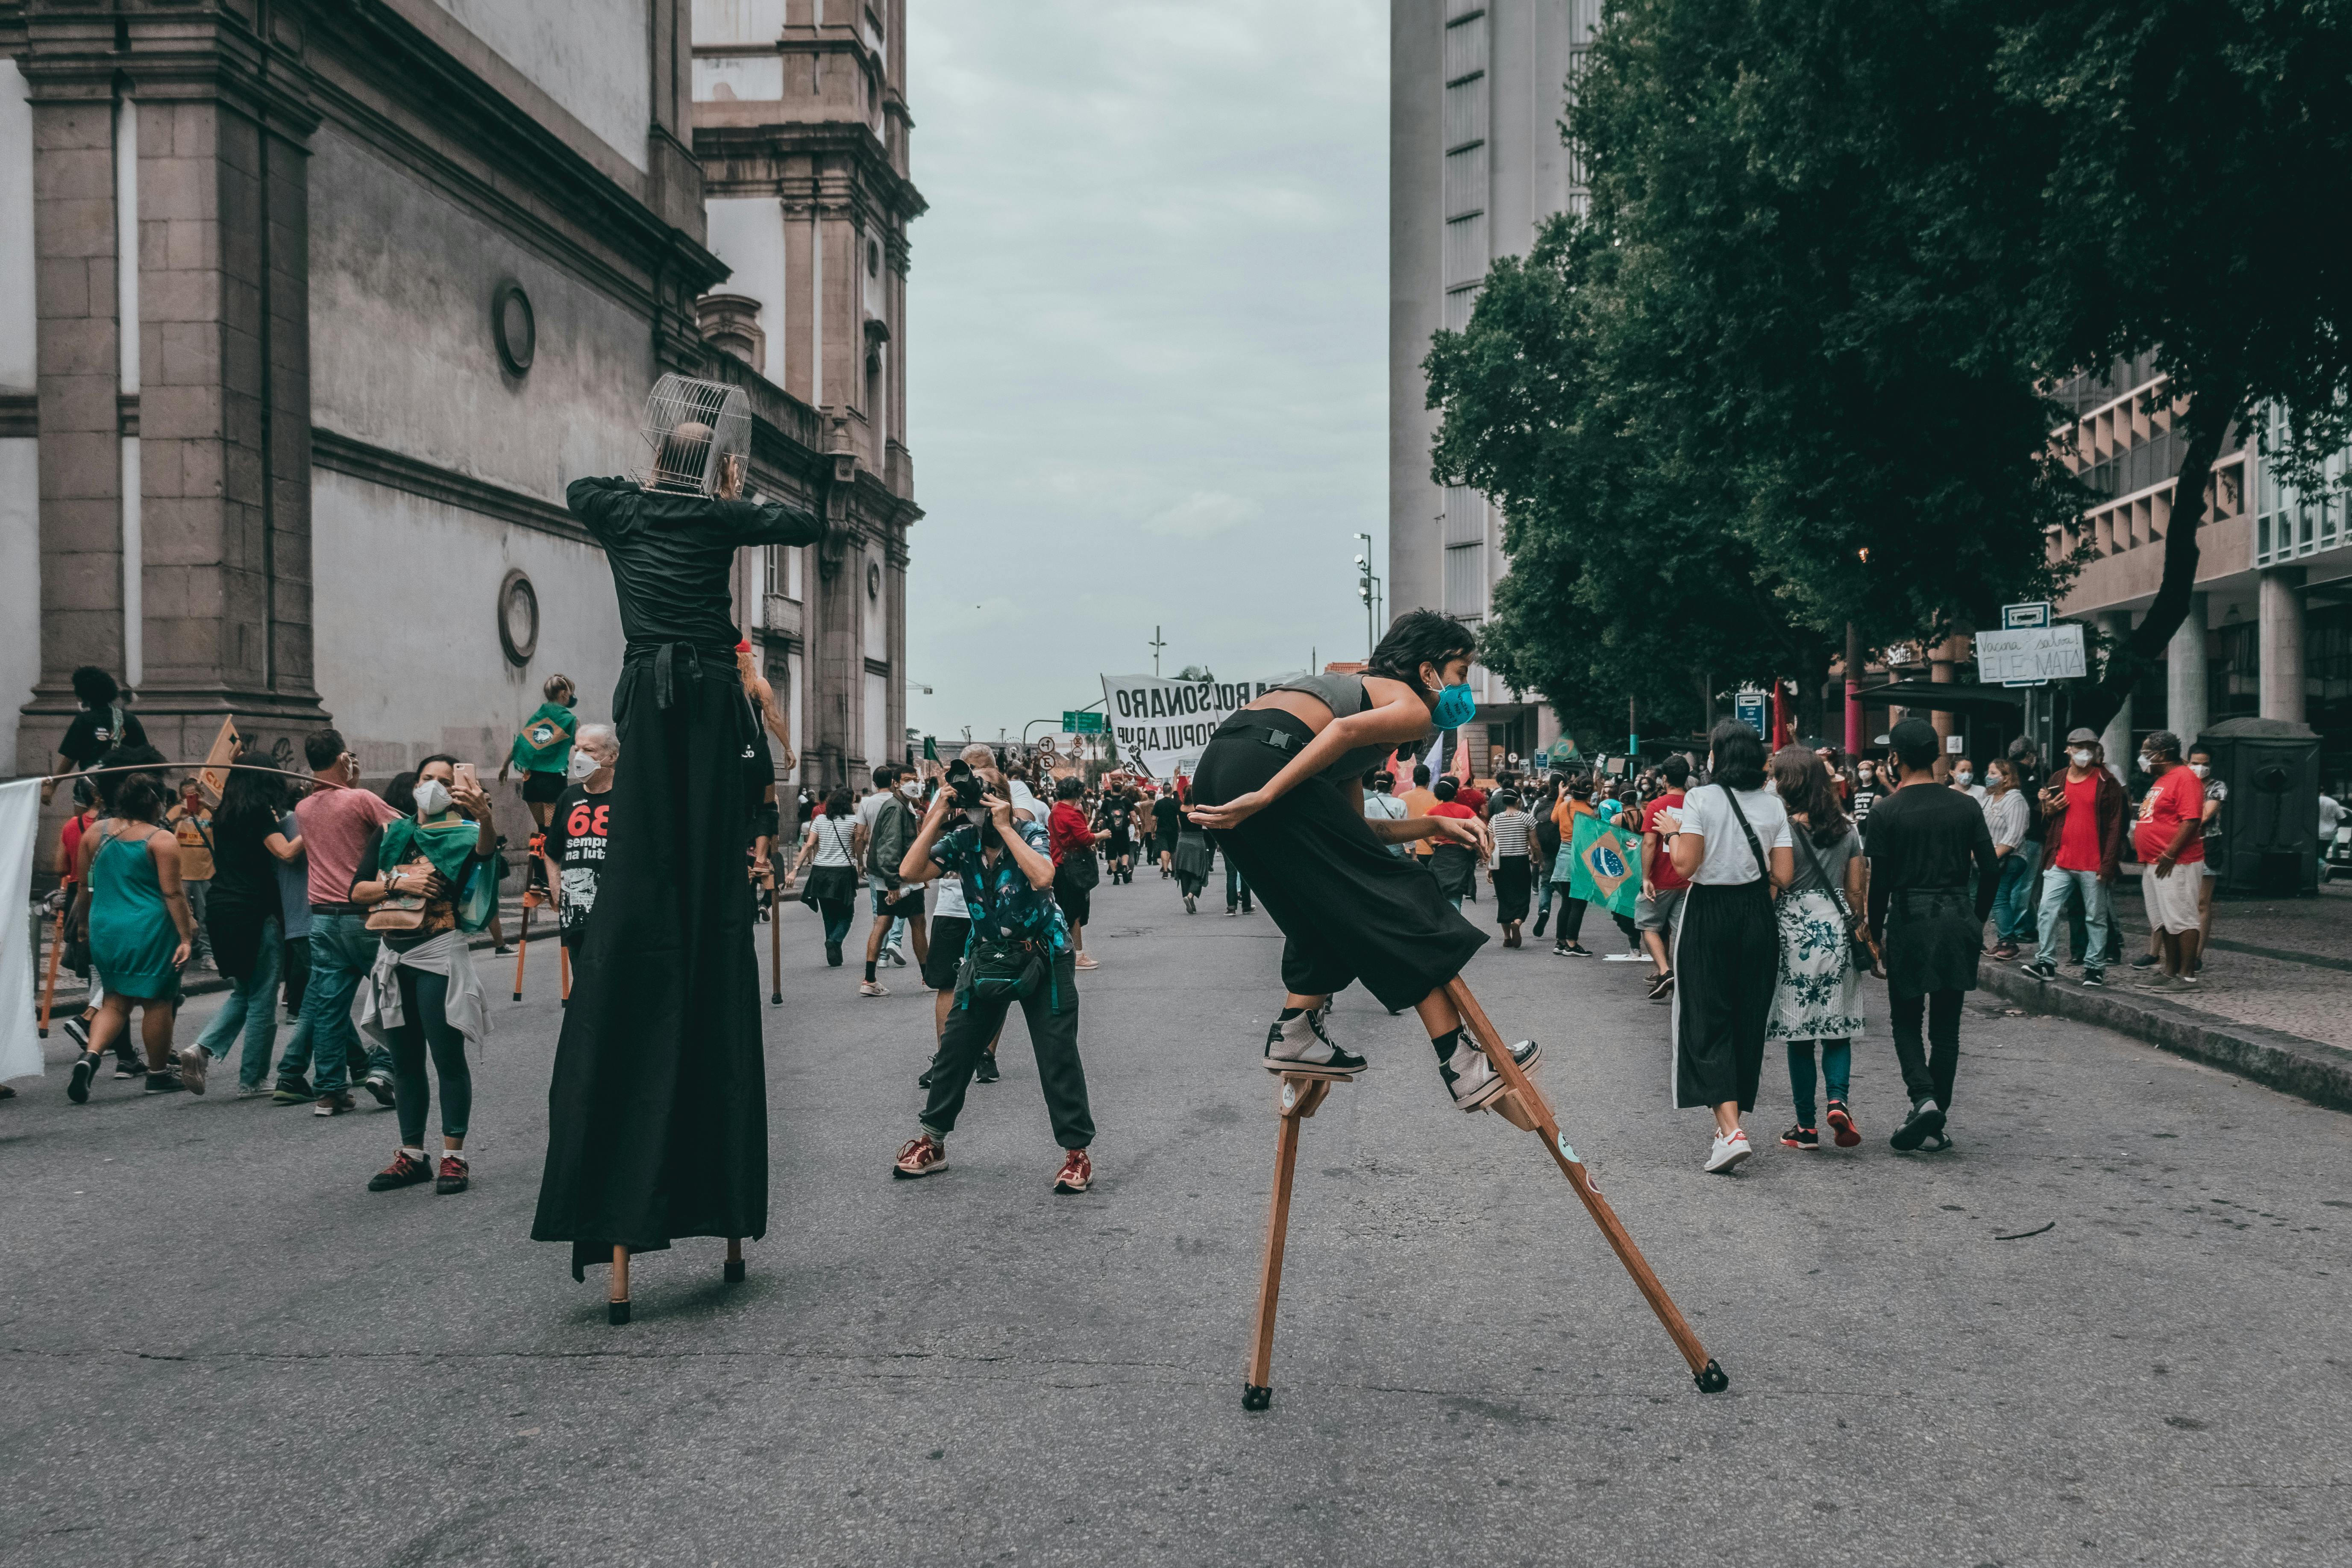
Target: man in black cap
<point>1921,840</point>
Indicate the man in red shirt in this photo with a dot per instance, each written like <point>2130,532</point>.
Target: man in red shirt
<point>1663,887</point>
<point>335,819</point>
<point>1071,840</point>
<point>2169,840</point>
<point>2083,812</point>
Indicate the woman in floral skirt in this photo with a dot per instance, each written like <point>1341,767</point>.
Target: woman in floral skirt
<point>1817,996</point>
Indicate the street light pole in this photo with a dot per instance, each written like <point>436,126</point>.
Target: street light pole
<point>1368,588</point>
<point>1157,644</point>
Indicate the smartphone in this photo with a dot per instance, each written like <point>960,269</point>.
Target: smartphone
<point>467,778</point>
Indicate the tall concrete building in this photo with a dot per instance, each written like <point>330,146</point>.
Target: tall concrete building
<point>2269,632</point>
<point>310,311</point>
<point>1477,91</point>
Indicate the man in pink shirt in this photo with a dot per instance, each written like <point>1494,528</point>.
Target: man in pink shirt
<point>335,819</point>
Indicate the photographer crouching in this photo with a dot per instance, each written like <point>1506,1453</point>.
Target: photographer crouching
<point>1018,951</point>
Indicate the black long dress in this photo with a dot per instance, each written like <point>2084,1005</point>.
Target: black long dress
<point>658,1122</point>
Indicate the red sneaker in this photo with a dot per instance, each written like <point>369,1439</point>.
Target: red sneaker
<point>926,1156</point>
<point>1076,1175</point>
<point>405,1171</point>
<point>1842,1123</point>
<point>455,1174</point>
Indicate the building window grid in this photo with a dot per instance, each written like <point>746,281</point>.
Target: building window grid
<point>2289,524</point>
<point>1465,580</point>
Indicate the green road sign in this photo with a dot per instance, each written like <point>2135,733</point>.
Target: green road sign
<point>1081,724</point>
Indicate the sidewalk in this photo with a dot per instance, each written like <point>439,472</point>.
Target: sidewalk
<point>2275,1004</point>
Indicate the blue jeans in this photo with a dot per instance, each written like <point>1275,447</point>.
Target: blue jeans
<point>342,949</point>
<point>252,1005</point>
<point>2056,887</point>
<point>2009,917</point>
<point>1837,1071</point>
<point>1544,886</point>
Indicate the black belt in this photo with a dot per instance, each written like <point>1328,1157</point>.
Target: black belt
<point>1266,734</point>
<point>664,659</point>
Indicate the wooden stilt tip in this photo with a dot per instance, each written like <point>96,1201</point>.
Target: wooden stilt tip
<point>1256,1396</point>
<point>1713,1380</point>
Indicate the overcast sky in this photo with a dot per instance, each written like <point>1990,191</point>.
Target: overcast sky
<point>1146,343</point>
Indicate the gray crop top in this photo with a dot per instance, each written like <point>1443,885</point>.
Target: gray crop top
<point>1344,695</point>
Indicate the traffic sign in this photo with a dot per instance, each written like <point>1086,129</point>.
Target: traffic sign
<point>2033,613</point>
<point>1074,723</point>
<point>1747,707</point>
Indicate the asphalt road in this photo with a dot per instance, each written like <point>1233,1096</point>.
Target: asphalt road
<point>218,1347</point>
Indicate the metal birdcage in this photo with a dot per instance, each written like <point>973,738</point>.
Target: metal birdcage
<point>692,429</point>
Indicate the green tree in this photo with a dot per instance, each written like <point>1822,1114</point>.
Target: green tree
<point>1790,370</point>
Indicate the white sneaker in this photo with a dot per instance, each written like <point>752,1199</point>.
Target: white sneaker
<point>871,988</point>
<point>1728,1152</point>
<point>193,1062</point>
<point>1473,1079</point>
<point>1299,1044</point>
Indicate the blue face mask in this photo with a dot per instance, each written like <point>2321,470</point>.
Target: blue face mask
<point>1457,706</point>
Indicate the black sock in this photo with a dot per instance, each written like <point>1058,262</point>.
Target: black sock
<point>1288,1014</point>
<point>869,969</point>
<point>1444,1044</point>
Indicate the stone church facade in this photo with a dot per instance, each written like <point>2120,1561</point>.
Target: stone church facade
<point>309,310</point>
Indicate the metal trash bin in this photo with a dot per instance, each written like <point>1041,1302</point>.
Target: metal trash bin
<point>2270,826</point>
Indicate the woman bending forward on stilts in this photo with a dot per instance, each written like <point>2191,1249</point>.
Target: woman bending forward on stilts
<point>1280,787</point>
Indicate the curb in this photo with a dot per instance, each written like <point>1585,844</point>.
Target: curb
<point>2308,1069</point>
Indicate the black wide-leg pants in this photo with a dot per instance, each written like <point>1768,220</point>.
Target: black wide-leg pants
<point>1726,962</point>
<point>1349,909</point>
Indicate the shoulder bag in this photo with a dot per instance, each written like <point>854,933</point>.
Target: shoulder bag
<point>1866,954</point>
<point>1763,867</point>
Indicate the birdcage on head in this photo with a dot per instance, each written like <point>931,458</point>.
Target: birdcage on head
<point>695,430</point>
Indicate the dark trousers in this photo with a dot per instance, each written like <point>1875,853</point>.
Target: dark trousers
<point>1927,1067</point>
<point>296,956</point>
<point>1052,1010</point>
<point>422,994</point>
<point>1237,891</point>
<point>838,914</point>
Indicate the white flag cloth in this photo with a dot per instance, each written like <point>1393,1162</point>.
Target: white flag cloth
<point>20,826</point>
<point>1435,761</point>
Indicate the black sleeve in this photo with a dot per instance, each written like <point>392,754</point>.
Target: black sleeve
<point>599,504</point>
<point>133,732</point>
<point>79,745</point>
<point>768,522</point>
<point>368,869</point>
<point>553,840</point>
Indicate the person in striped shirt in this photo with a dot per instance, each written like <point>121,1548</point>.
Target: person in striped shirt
<point>1510,873</point>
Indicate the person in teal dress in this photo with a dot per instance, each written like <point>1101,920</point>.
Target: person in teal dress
<point>140,929</point>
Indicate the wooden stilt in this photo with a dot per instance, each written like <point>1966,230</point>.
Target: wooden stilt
<point>1524,1106</point>
<point>563,967</point>
<point>775,952</point>
<point>50,985</point>
<point>734,1260</point>
<point>522,946</point>
<point>616,1310</point>
<point>1299,1097</point>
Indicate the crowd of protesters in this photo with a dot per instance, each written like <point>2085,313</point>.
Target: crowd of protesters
<point>1755,893</point>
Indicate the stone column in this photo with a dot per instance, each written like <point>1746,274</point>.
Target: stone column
<point>79,364</point>
<point>2117,738</point>
<point>2184,677</point>
<point>2282,642</point>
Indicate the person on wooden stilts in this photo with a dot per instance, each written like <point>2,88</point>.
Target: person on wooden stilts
<point>1280,788</point>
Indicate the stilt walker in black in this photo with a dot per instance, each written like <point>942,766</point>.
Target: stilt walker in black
<point>1280,788</point>
<point>658,1113</point>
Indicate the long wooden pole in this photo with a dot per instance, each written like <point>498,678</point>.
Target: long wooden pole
<point>563,967</point>
<point>50,985</point>
<point>616,1310</point>
<point>1535,1114</point>
<point>522,946</point>
<point>1298,1100</point>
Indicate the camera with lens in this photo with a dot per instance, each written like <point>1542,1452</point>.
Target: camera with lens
<point>964,784</point>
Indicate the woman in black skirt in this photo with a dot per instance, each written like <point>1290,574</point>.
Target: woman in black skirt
<point>1280,787</point>
<point>1731,838</point>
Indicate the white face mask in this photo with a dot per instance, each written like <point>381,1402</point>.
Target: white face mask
<point>2200,770</point>
<point>1965,776</point>
<point>581,766</point>
<point>2080,759</point>
<point>1863,775</point>
<point>2147,763</point>
<point>432,797</point>
<point>912,789</point>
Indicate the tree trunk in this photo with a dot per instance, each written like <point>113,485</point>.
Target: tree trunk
<point>2208,422</point>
